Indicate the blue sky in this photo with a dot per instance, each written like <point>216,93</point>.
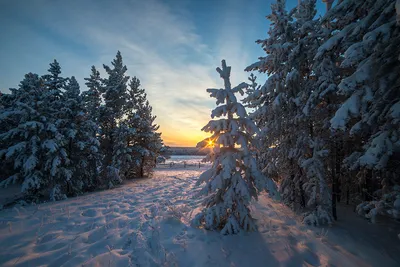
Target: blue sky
<point>172,46</point>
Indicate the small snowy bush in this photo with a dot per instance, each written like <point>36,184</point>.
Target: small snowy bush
<point>387,205</point>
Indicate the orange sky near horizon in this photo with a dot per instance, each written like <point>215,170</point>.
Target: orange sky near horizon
<point>183,137</point>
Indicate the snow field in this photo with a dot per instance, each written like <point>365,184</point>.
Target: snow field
<point>147,223</point>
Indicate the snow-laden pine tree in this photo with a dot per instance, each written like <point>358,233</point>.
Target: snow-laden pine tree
<point>92,106</point>
<point>56,161</point>
<point>278,43</point>
<point>92,97</point>
<point>252,92</point>
<point>321,102</point>
<point>122,151</point>
<point>35,145</point>
<point>8,121</point>
<point>114,96</point>
<point>21,143</point>
<point>299,81</point>
<point>285,136</point>
<point>234,179</point>
<point>53,80</point>
<point>363,40</point>
<point>270,100</point>
<point>316,187</point>
<point>289,130</point>
<point>81,143</point>
<point>371,91</point>
<point>312,88</point>
<point>145,142</point>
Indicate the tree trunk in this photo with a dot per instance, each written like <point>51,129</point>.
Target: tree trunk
<point>142,168</point>
<point>367,186</point>
<point>338,153</point>
<point>334,180</point>
<point>302,194</point>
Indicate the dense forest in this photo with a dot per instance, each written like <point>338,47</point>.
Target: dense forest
<point>330,108</point>
<point>56,141</point>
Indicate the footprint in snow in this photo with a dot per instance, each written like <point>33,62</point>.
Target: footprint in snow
<point>265,230</point>
<point>48,238</point>
<point>89,213</point>
<point>58,246</point>
<point>275,227</point>
<point>292,240</point>
<point>190,235</point>
<point>311,258</point>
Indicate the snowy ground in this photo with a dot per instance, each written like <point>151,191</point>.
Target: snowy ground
<point>146,223</point>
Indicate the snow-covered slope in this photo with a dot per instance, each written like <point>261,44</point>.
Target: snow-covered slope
<point>147,223</point>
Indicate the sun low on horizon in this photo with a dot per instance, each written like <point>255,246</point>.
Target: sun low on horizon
<point>183,138</point>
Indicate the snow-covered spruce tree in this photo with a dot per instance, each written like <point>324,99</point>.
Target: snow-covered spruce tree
<point>252,93</point>
<point>145,142</point>
<point>278,43</point>
<point>321,102</point>
<point>35,145</point>
<point>290,130</point>
<point>92,97</point>
<point>155,143</point>
<point>92,107</point>
<point>371,92</point>
<point>8,121</point>
<point>365,38</point>
<point>316,187</point>
<point>81,143</point>
<point>122,151</point>
<point>234,179</point>
<point>21,127</point>
<point>285,131</point>
<point>269,114</point>
<point>299,81</point>
<point>311,85</point>
<point>56,161</point>
<point>114,96</point>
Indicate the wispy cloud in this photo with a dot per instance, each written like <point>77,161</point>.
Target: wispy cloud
<point>159,45</point>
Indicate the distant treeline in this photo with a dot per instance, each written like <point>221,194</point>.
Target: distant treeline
<point>187,151</point>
